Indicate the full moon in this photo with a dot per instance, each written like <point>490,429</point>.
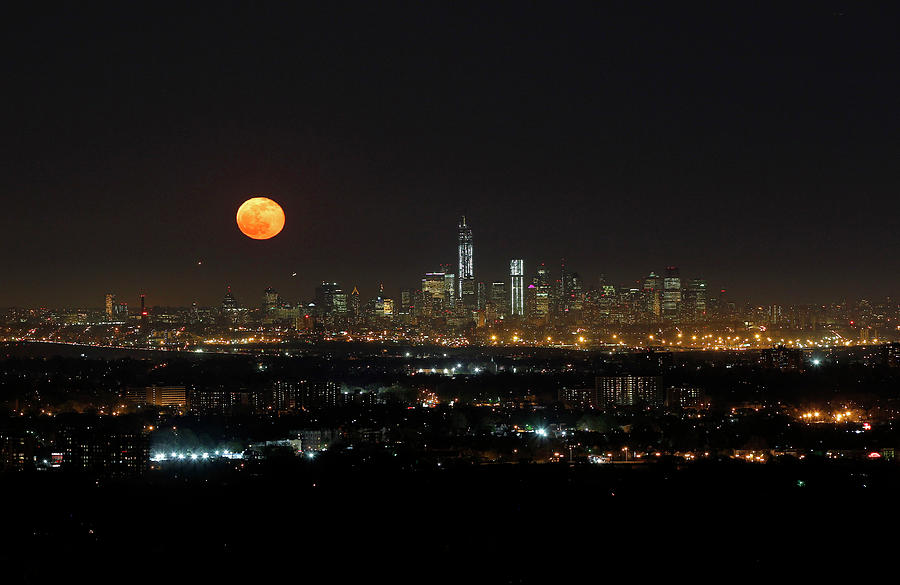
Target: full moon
<point>260,218</point>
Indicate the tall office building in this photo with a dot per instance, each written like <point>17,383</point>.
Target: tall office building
<point>325,294</point>
<point>434,291</point>
<point>543,292</point>
<point>695,300</point>
<point>450,290</point>
<point>564,286</point>
<point>652,290</point>
<point>353,306</point>
<point>331,304</point>
<point>499,299</point>
<point>576,292</point>
<point>145,316</point>
<point>387,307</point>
<point>270,300</point>
<point>481,296</point>
<point>229,303</point>
<point>466,273</point>
<point>671,301</point>
<point>111,307</point>
<point>517,288</point>
<point>406,302</point>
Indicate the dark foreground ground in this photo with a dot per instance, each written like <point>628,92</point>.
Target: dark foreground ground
<point>332,523</point>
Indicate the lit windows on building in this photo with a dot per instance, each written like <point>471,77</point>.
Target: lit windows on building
<point>517,287</point>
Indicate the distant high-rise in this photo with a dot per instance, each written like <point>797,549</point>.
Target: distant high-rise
<point>543,292</point>
<point>449,290</point>
<point>353,306</point>
<point>434,289</point>
<point>406,302</point>
<point>145,317</point>
<point>576,292</point>
<point>481,296</point>
<point>671,302</point>
<point>499,298</point>
<point>695,300</point>
<point>652,282</point>
<point>466,274</point>
<point>653,286</point>
<point>517,287</point>
<point>111,307</point>
<point>325,297</point>
<point>270,300</point>
<point>228,302</point>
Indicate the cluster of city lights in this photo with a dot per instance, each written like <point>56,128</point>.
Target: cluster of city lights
<point>190,456</point>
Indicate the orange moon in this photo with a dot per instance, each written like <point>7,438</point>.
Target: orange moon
<point>260,218</point>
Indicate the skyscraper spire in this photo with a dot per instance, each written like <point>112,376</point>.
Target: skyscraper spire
<point>466,275</point>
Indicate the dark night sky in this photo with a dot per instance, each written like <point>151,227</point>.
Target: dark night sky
<point>755,146</point>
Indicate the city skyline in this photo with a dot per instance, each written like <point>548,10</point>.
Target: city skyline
<point>760,152</point>
<point>530,270</point>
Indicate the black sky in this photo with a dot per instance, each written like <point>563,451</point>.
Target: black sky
<point>754,145</point>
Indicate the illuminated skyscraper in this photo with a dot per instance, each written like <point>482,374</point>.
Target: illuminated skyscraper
<point>406,302</point>
<point>145,317</point>
<point>111,307</point>
<point>542,293</point>
<point>671,302</point>
<point>449,290</point>
<point>325,293</point>
<point>466,274</point>
<point>652,290</point>
<point>576,292</point>
<point>434,291</point>
<point>270,300</point>
<point>517,288</point>
<point>499,298</point>
<point>695,300</point>
<point>228,302</point>
<point>565,284</point>
<point>353,306</point>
